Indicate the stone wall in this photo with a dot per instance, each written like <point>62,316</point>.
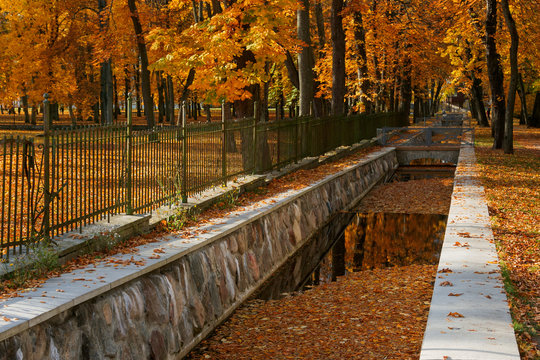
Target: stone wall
<point>164,314</point>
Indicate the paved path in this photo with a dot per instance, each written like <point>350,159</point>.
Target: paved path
<point>469,317</point>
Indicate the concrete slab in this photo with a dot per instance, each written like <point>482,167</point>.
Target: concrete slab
<point>469,317</point>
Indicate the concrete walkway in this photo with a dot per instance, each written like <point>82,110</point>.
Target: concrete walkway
<point>469,317</point>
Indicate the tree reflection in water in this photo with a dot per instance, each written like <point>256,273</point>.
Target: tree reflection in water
<point>378,240</point>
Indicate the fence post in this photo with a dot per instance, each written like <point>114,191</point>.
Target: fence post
<point>183,190</point>
<point>256,119</point>
<point>46,168</point>
<point>129,149</point>
<point>296,137</point>
<point>253,143</point>
<point>223,143</point>
<point>428,134</point>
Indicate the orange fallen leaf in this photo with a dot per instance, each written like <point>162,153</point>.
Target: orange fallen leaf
<point>452,294</point>
<point>455,315</point>
<point>445,270</point>
<point>446,283</point>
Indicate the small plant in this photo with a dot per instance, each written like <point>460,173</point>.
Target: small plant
<point>41,259</point>
<point>181,219</point>
<point>230,199</point>
<point>102,242</point>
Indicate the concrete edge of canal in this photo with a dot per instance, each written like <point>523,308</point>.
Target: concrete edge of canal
<point>469,316</point>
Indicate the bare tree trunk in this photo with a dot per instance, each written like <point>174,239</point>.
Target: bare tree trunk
<point>145,73</point>
<point>72,115</point>
<point>508,143</point>
<point>321,34</point>
<point>521,91</point>
<point>338,58</point>
<point>495,74</point>
<point>170,99</point>
<point>535,117</point>
<point>107,92</point>
<point>363,75</point>
<point>292,71</point>
<point>24,100</point>
<point>116,99</point>
<point>305,65</point>
<point>33,118</point>
<point>161,97</point>
<point>477,93</point>
<point>405,91</point>
<point>138,89</point>
<point>436,99</point>
<point>127,88</point>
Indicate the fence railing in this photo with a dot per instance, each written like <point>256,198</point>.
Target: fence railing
<point>68,178</point>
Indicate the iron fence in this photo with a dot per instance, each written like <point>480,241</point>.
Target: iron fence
<point>68,178</point>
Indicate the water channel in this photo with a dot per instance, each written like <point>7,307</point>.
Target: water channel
<point>366,241</point>
<point>375,240</point>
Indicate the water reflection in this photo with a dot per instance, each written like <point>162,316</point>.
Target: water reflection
<point>378,240</point>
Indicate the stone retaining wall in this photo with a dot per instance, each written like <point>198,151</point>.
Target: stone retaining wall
<point>165,313</point>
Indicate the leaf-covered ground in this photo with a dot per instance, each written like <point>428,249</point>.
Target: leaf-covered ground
<point>512,185</point>
<point>374,314</point>
<point>423,196</point>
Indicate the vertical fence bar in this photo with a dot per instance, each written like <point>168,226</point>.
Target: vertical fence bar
<point>129,196</point>
<point>256,118</point>
<point>46,168</point>
<point>184,154</point>
<point>296,138</point>
<point>223,144</point>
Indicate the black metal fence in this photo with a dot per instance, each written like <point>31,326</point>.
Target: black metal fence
<point>66,179</point>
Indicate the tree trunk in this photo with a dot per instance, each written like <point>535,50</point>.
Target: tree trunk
<point>508,143</point>
<point>145,73</point>
<point>72,115</point>
<point>127,88</point>
<point>478,98</point>
<point>535,117</point>
<point>189,81</point>
<point>116,99</point>
<point>106,80</point>
<point>107,93</point>
<point>170,99</point>
<point>405,91</point>
<point>24,100</point>
<point>436,99</point>
<point>521,91</point>
<point>321,34</point>
<point>33,118</point>
<point>495,73</point>
<point>474,112</point>
<point>291,70</point>
<point>161,97</point>
<point>361,54</point>
<point>305,65</point>
<point>338,58</point>
<point>138,89</point>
